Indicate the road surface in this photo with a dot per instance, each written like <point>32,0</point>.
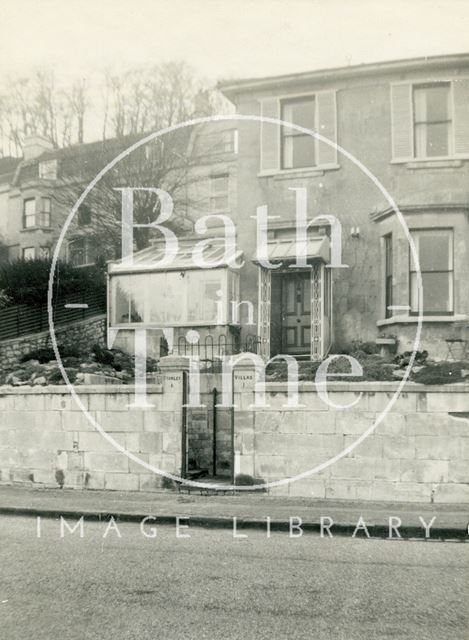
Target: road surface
<point>217,587</point>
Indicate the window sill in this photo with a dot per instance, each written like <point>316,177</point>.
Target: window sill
<point>306,172</point>
<point>47,229</point>
<point>431,163</point>
<point>414,319</point>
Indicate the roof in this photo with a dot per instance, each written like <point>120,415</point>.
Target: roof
<point>287,250</point>
<point>8,166</point>
<point>75,157</point>
<point>148,259</point>
<point>88,158</point>
<point>231,88</point>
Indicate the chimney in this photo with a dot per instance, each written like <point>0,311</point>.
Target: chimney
<point>35,145</point>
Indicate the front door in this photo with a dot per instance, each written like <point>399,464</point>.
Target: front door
<point>296,313</point>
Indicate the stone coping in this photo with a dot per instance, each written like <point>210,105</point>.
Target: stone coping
<point>80,389</point>
<point>275,387</point>
<point>371,387</point>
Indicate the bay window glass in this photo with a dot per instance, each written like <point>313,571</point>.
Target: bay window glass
<point>44,214</point>
<point>432,120</point>
<point>298,149</point>
<point>29,213</point>
<point>435,252</point>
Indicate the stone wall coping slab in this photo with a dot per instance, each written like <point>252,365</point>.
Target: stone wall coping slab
<point>371,387</point>
<point>80,389</point>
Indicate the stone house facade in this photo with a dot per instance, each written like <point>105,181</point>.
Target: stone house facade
<point>407,122</point>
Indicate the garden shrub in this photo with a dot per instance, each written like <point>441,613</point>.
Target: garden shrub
<point>55,376</point>
<point>46,354</point>
<point>27,281</point>
<point>403,359</point>
<point>103,355</point>
<point>440,373</point>
<point>369,348</point>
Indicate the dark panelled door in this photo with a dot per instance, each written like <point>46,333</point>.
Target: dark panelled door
<point>296,313</point>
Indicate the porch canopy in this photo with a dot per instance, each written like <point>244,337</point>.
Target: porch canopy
<point>286,249</point>
<point>177,294</point>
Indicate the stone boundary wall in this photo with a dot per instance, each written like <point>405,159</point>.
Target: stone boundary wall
<point>82,334</point>
<point>419,452</point>
<point>46,440</point>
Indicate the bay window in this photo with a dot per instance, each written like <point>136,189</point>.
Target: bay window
<point>34,218</point>
<point>435,253</point>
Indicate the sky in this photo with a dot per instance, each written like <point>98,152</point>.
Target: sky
<point>225,38</point>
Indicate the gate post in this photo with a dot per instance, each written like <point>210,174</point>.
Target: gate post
<point>175,384</point>
<point>243,416</point>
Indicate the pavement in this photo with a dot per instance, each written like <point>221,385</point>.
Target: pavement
<point>110,585</point>
<point>251,510</point>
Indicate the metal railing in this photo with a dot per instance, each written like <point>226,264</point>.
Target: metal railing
<point>211,347</point>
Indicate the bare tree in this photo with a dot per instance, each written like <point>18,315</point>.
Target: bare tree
<point>37,104</point>
<point>78,105</point>
<point>136,101</point>
<point>147,99</point>
<point>163,163</point>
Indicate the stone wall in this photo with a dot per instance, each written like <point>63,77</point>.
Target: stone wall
<point>419,452</point>
<point>46,440</point>
<point>82,334</point>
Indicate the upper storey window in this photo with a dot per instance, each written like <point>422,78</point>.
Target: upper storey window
<point>430,121</point>
<point>298,148</point>
<point>283,148</point>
